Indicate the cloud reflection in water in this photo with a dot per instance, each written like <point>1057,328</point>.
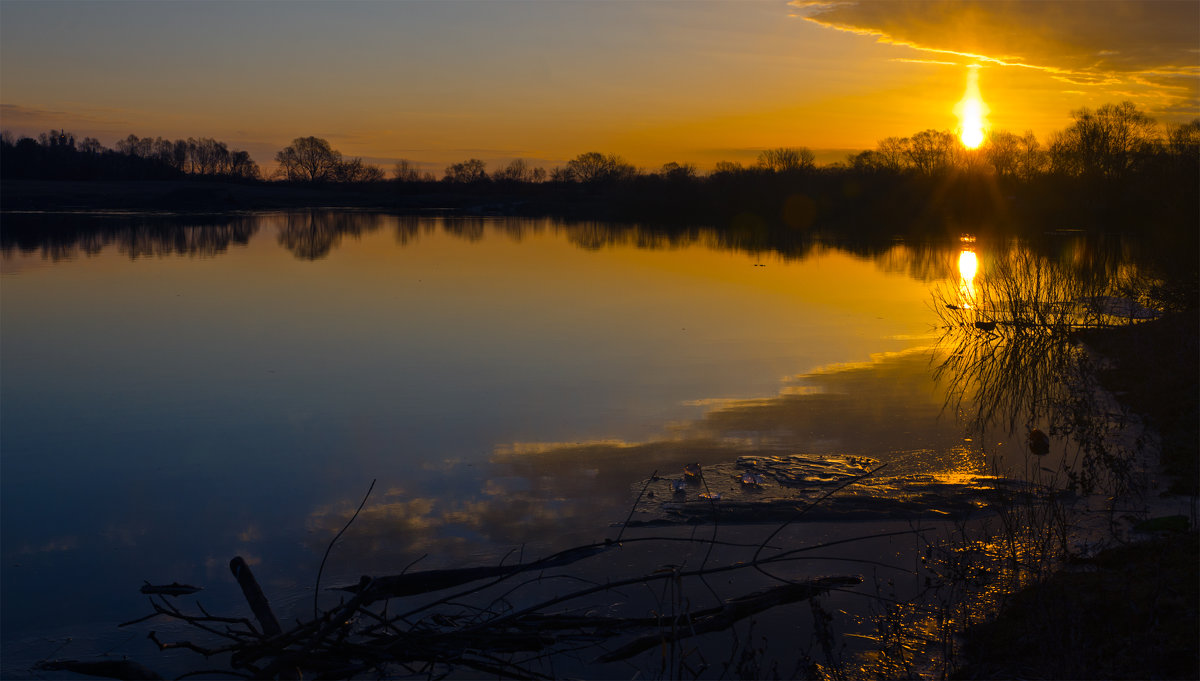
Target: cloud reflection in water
<point>888,409</point>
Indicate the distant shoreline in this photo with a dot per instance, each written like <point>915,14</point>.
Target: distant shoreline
<point>201,196</point>
<point>781,206</point>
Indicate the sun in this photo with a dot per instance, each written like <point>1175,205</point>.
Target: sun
<point>972,112</point>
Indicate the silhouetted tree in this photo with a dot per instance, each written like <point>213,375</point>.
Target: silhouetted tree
<point>932,151</point>
<point>356,172</point>
<point>1107,142</point>
<point>785,159</point>
<point>517,170</point>
<point>405,171</point>
<point>90,145</point>
<point>893,152</point>
<point>241,165</point>
<point>1003,152</point>
<point>1032,159</point>
<point>866,161</point>
<point>308,159</point>
<point>1183,141</point>
<point>593,167</point>
<point>57,139</point>
<point>135,146</point>
<point>678,171</point>
<point>727,168</point>
<point>471,170</point>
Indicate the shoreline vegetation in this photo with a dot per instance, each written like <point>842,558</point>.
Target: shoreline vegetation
<point>1127,612</point>
<point>1113,168</point>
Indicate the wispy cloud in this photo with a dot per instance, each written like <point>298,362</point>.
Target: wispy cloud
<point>1081,43</point>
<point>17,116</point>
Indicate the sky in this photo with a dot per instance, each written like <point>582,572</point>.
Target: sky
<point>690,81</point>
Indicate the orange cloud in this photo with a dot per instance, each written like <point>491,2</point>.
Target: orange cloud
<point>1152,44</point>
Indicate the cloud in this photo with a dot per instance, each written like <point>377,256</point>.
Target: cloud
<point>1077,42</point>
<point>536,493</point>
<point>29,118</point>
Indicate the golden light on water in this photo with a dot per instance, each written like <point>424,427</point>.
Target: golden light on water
<point>972,112</point>
<point>968,264</point>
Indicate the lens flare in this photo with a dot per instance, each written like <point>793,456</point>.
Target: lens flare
<point>972,112</point>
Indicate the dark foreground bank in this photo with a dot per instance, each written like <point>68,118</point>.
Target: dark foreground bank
<point>1131,612</point>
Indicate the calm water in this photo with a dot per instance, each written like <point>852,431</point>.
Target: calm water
<point>177,392</point>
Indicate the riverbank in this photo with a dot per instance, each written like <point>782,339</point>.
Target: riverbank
<point>830,200</point>
<point>1131,611</point>
<point>183,196</point>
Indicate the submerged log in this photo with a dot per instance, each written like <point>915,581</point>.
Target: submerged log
<point>254,596</point>
<point>172,589</point>
<point>395,586</point>
<point>734,610</point>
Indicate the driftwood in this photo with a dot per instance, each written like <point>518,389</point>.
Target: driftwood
<point>396,586</point>
<point>172,589</point>
<point>254,596</point>
<point>717,619</point>
<point>490,621</point>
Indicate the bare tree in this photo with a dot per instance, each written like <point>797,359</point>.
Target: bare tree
<point>404,171</point>
<point>932,151</point>
<point>134,146</point>
<point>893,152</point>
<point>517,170</point>
<point>785,159</point>
<point>1003,152</point>
<point>1032,160</point>
<point>1107,142</point>
<point>91,145</point>
<point>355,171</point>
<point>727,168</point>
<point>1183,141</point>
<point>593,166</point>
<point>308,159</point>
<point>241,165</point>
<point>471,170</point>
<point>678,171</point>
<point>867,160</point>
<point>57,139</point>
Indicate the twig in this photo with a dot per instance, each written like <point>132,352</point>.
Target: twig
<point>140,619</point>
<point>807,508</point>
<point>317,590</point>
<point>633,508</point>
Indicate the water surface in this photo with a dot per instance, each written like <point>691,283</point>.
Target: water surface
<point>177,391</point>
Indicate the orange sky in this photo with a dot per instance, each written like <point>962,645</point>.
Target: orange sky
<point>440,82</point>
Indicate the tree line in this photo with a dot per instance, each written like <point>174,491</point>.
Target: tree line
<point>59,155</point>
<point>1112,142</point>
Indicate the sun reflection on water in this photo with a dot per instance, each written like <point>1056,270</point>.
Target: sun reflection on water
<point>968,264</point>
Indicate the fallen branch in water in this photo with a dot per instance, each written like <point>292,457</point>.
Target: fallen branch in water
<point>492,623</point>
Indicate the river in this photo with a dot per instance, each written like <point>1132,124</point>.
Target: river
<point>178,390</point>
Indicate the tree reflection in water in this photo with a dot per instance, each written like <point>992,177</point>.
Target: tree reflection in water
<point>65,236</point>
<point>314,234</point>
<point>1013,361</point>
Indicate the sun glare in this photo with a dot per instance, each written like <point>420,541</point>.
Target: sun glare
<point>968,264</point>
<point>972,112</point>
